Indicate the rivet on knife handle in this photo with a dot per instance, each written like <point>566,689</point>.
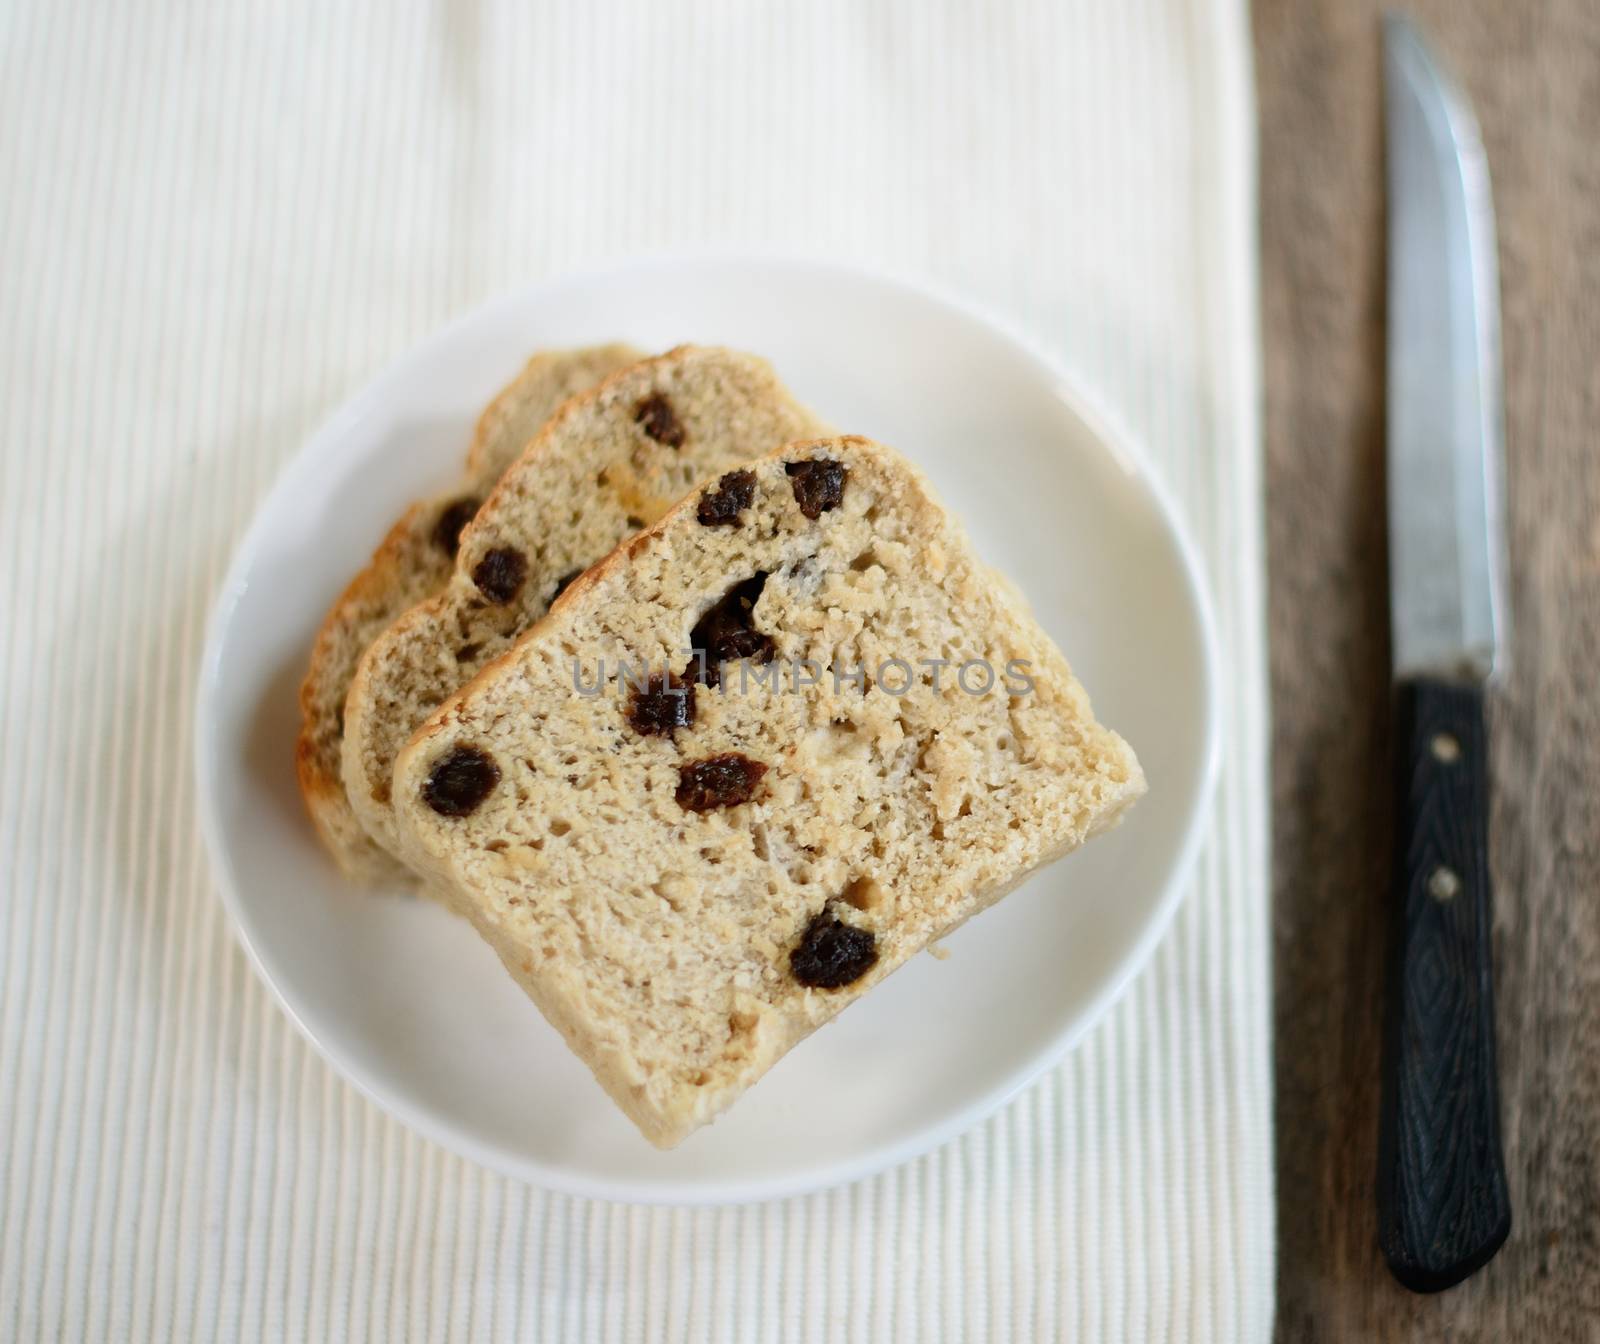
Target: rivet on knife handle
<point>1443,1207</point>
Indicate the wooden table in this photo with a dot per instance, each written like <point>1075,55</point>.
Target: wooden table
<point>1533,73</point>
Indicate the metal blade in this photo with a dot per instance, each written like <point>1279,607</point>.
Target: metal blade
<point>1445,437</point>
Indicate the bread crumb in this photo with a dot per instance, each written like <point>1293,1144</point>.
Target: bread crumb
<point>886,816</point>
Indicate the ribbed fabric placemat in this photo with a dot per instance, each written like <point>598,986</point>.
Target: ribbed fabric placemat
<point>217,222</point>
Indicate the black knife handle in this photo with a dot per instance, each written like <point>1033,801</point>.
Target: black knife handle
<point>1443,1207</point>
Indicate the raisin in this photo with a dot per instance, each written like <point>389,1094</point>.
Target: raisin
<point>727,632</point>
<point>731,496</point>
<point>467,652</point>
<point>832,954</point>
<point>662,706</point>
<point>718,781</point>
<point>818,485</point>
<point>563,583</point>
<point>447,531</point>
<point>656,417</point>
<point>459,781</point>
<point>501,573</point>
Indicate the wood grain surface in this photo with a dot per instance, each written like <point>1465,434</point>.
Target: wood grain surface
<point>1533,73</point>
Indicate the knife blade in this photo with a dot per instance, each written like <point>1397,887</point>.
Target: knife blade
<point>1443,1204</point>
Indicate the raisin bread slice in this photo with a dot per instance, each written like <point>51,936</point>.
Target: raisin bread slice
<point>691,872</point>
<point>610,463</point>
<point>412,563</point>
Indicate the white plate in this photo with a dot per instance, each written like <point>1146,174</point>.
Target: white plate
<point>407,1003</point>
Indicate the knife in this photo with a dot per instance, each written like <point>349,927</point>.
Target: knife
<point>1443,1206</point>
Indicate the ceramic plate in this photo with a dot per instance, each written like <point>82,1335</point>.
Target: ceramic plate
<point>413,1009</point>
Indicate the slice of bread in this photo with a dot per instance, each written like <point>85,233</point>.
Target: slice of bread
<point>413,563</point>
<point>689,878</point>
<point>609,463</point>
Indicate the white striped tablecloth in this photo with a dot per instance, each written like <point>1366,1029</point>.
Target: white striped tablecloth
<point>215,221</point>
